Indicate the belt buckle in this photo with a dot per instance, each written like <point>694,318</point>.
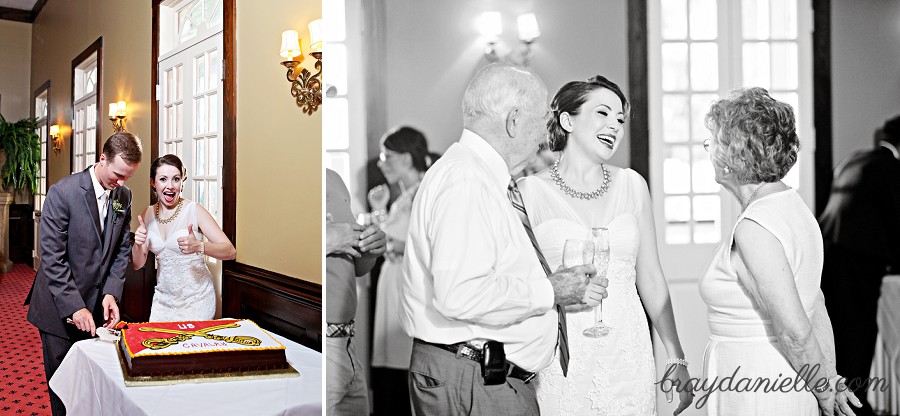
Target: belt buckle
<point>529,378</point>
<point>464,350</point>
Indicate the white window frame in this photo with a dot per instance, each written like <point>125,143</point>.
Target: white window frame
<point>42,118</point>
<point>730,46</point>
<point>344,142</point>
<point>85,148</point>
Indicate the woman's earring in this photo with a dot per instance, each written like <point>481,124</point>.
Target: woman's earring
<point>727,170</point>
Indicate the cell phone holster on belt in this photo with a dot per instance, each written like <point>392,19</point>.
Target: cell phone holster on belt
<point>493,363</point>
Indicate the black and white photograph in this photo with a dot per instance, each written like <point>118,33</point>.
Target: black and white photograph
<point>612,207</point>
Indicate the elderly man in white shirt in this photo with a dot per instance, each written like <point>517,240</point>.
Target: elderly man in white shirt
<point>477,295</point>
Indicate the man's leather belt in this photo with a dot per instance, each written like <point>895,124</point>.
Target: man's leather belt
<point>464,350</point>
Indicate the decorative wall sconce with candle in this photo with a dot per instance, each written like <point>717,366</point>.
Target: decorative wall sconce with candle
<point>306,87</point>
<point>56,137</point>
<point>117,114</point>
<point>491,26</point>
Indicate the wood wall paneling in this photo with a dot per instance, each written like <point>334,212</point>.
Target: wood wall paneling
<point>284,305</point>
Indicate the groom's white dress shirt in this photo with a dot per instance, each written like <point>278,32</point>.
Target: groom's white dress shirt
<point>470,270</point>
<point>102,195</point>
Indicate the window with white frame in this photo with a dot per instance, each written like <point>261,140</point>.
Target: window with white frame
<point>699,51</point>
<point>336,115</point>
<point>84,127</point>
<point>41,114</point>
<point>190,103</point>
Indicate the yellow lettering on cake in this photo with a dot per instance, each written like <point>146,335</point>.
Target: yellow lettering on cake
<point>181,336</point>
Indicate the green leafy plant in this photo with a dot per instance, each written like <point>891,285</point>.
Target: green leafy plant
<point>23,153</point>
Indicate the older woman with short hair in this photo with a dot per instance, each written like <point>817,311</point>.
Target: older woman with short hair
<point>766,313</point>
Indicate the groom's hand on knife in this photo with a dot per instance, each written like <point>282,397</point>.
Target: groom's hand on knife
<point>84,321</point>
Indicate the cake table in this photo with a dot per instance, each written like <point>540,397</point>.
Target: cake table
<point>90,382</point>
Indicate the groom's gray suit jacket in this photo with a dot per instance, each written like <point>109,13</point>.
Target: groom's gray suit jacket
<point>79,262</point>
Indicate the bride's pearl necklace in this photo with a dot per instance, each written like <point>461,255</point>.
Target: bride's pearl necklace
<point>554,174</point>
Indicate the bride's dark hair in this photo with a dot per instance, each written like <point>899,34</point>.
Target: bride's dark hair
<point>569,99</point>
<point>170,160</point>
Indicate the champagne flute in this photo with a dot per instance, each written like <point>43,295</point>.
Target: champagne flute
<point>577,253</point>
<point>600,238</point>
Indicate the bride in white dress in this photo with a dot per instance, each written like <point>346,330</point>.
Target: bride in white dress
<point>174,230</point>
<point>615,374</point>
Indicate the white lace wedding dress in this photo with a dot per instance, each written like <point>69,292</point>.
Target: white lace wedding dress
<point>612,375</point>
<point>184,285</point>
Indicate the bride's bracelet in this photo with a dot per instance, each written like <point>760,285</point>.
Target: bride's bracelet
<point>676,361</point>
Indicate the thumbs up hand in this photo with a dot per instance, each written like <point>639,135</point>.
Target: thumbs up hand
<point>189,244</point>
<point>140,235</point>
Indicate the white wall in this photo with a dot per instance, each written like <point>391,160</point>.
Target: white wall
<point>434,48</point>
<point>865,65</point>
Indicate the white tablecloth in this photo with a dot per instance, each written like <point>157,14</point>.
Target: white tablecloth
<point>89,381</point>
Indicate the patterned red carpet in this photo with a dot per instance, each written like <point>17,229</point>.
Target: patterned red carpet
<point>23,387</point>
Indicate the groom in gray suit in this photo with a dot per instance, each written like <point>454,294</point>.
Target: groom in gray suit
<point>85,242</point>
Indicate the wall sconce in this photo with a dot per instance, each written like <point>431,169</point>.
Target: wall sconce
<point>491,26</point>
<point>117,114</point>
<point>306,87</point>
<point>56,137</point>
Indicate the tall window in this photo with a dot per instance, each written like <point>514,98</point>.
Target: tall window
<point>86,76</point>
<point>190,79</point>
<point>336,116</point>
<point>699,51</point>
<point>41,114</point>
<point>344,142</point>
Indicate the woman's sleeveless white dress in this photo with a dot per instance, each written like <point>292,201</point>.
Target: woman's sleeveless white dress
<point>615,374</point>
<point>742,343</point>
<point>184,284</point>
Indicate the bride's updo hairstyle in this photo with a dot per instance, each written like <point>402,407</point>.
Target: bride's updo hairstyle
<point>406,139</point>
<point>569,99</point>
<point>170,160</point>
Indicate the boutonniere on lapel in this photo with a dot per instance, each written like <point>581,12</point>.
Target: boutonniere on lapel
<point>117,207</point>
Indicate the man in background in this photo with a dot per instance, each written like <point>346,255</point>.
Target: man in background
<point>350,251</point>
<point>861,232</point>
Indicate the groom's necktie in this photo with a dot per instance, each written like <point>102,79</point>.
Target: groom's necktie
<point>516,198</point>
<point>102,206</point>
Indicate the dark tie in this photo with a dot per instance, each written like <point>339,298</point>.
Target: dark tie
<point>516,198</point>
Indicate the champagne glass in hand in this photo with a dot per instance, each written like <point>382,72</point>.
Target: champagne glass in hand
<point>577,253</point>
<point>600,238</point>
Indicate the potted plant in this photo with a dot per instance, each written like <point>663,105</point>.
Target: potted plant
<point>23,155</point>
<point>22,149</point>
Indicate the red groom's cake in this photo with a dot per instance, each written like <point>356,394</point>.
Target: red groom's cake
<point>199,348</point>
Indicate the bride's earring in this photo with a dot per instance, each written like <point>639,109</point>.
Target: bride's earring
<point>727,170</point>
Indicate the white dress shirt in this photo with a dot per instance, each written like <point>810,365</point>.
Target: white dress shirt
<point>470,270</point>
<point>102,195</point>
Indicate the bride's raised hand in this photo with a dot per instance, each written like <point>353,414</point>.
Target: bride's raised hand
<point>140,235</point>
<point>681,382</point>
<point>189,244</point>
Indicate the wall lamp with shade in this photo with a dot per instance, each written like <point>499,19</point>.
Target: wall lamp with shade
<point>56,137</point>
<point>117,114</point>
<point>491,26</point>
<point>306,87</point>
